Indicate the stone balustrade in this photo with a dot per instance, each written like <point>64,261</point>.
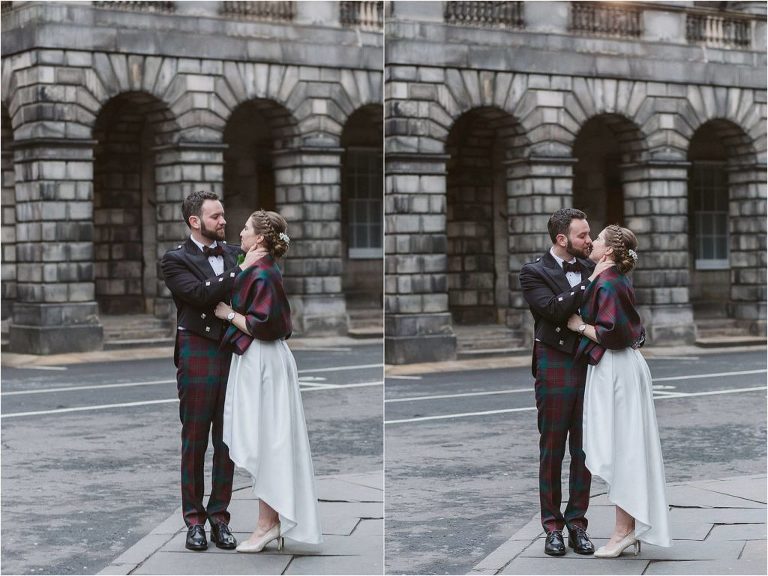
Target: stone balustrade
<point>165,7</point>
<point>501,14</point>
<point>718,30</point>
<point>365,15</point>
<point>269,11</point>
<point>598,19</point>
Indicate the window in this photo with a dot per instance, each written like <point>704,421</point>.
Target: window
<point>363,180</point>
<point>709,195</point>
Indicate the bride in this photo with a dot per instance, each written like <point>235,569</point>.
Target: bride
<point>264,425</point>
<point>621,437</point>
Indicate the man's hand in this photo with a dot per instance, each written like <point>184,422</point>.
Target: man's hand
<point>603,264</point>
<point>574,322</point>
<point>254,254</point>
<point>222,309</point>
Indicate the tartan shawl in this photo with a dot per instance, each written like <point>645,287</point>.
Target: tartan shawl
<point>259,296</point>
<point>609,305</point>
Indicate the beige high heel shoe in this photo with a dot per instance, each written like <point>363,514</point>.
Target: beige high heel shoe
<point>271,534</point>
<point>623,544</point>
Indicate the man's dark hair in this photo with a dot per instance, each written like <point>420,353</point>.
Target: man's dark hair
<point>193,204</point>
<point>560,221</point>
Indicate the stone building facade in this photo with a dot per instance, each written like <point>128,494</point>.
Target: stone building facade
<point>113,111</point>
<point>499,113</point>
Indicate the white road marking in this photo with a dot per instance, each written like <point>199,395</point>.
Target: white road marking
<point>94,387</point>
<point>170,400</point>
<point>718,375</point>
<point>530,408</point>
<point>404,377</point>
<point>157,382</point>
<point>39,367</point>
<point>463,395</point>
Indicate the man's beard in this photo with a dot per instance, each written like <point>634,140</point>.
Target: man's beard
<point>578,253</point>
<point>212,233</point>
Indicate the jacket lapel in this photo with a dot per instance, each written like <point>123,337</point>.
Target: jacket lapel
<point>198,259</point>
<point>555,272</point>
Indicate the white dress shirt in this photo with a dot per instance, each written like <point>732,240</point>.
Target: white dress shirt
<point>574,278</point>
<point>217,262</point>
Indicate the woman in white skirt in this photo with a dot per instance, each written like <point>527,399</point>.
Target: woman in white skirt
<point>264,424</point>
<point>621,437</point>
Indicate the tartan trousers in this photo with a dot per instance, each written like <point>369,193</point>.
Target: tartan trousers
<point>560,383</point>
<point>201,376</point>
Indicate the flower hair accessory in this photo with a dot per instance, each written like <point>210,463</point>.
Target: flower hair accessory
<point>633,254</point>
<point>284,237</point>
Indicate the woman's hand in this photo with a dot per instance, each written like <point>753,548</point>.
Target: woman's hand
<point>574,322</point>
<point>222,309</point>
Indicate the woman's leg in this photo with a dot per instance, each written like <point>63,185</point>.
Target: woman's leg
<point>268,517</point>
<point>624,525</point>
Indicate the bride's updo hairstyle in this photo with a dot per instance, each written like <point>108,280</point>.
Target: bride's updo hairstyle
<point>624,244</point>
<point>274,228</point>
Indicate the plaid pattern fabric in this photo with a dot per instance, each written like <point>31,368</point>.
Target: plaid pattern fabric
<point>609,305</point>
<point>258,295</point>
<point>560,382</point>
<point>202,384</point>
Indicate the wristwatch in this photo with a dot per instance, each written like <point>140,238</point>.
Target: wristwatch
<point>582,327</point>
<point>231,316</point>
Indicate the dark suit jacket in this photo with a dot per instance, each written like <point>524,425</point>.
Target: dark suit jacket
<point>552,301</point>
<point>196,289</point>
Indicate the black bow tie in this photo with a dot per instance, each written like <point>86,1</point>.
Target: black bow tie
<point>215,251</point>
<point>575,267</point>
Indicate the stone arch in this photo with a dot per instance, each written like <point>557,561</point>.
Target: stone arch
<point>256,133</point>
<point>130,132</point>
<point>362,180</point>
<point>603,144</point>
<point>726,226</point>
<point>8,203</point>
<point>482,148</point>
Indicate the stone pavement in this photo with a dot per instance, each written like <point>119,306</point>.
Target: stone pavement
<point>351,515</point>
<point>718,527</point>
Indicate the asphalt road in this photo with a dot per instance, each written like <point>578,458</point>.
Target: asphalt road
<point>461,473</point>
<point>90,452</point>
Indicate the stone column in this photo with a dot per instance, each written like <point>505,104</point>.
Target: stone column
<point>418,325</point>
<point>308,194</point>
<point>8,201</point>
<point>747,199</point>
<point>656,210</point>
<point>56,311</point>
<point>180,169</point>
<point>536,187</point>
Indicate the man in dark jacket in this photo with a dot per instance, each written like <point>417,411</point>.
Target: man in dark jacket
<point>553,286</point>
<point>200,273</point>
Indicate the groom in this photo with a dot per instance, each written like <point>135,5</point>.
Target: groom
<point>200,274</point>
<point>553,286</point>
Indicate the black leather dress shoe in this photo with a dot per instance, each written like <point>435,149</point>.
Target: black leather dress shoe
<point>554,545</point>
<point>578,539</point>
<point>196,538</point>
<point>221,535</point>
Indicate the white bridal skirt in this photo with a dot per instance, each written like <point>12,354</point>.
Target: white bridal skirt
<point>266,433</point>
<point>621,441</point>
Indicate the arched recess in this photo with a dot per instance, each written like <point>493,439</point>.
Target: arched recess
<point>362,181</point>
<point>603,144</point>
<point>8,202</point>
<point>255,132</point>
<point>726,225</point>
<point>481,145</point>
<point>129,130</point>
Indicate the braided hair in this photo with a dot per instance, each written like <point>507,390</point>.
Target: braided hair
<point>624,244</point>
<point>273,227</point>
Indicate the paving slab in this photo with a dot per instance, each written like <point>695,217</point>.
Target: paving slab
<point>369,480</point>
<point>739,487</point>
<point>704,498</point>
<point>335,490</point>
<point>741,532</point>
<point>755,550</point>
<point>551,565</point>
<point>704,567</point>
<point>204,563</point>
<point>337,565</point>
